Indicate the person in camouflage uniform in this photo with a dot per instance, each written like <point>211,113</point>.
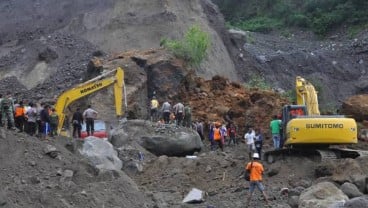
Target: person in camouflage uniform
<point>187,122</point>
<point>7,110</point>
<point>54,120</point>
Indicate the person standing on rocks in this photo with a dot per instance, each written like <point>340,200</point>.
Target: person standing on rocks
<point>154,109</point>
<point>249,139</point>
<point>54,120</point>
<point>258,142</point>
<point>19,116</point>
<point>166,110</point>
<point>275,126</point>
<point>231,131</point>
<point>199,128</point>
<point>223,130</point>
<point>179,113</point>
<point>255,168</point>
<point>89,116</point>
<point>31,115</point>
<point>77,121</point>
<point>187,122</point>
<point>45,122</point>
<point>7,108</point>
<point>217,137</point>
<point>39,107</point>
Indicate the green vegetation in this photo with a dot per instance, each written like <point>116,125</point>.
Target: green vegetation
<point>258,24</point>
<point>328,109</point>
<point>320,16</point>
<point>192,48</point>
<point>257,81</point>
<point>290,95</point>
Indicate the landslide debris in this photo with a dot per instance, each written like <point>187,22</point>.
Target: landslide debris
<point>38,173</point>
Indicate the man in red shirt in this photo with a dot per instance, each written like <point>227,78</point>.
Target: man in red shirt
<point>256,171</point>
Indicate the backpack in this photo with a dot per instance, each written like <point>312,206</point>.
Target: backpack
<point>247,173</point>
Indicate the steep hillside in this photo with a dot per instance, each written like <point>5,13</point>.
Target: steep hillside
<point>46,48</point>
<point>336,66</point>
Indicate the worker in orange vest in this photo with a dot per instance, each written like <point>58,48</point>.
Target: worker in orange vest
<point>19,116</point>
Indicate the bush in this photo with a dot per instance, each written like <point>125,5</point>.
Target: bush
<point>259,24</point>
<point>297,19</point>
<point>257,81</point>
<point>290,95</point>
<point>325,22</point>
<point>192,48</point>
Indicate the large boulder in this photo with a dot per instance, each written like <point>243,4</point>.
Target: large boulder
<point>350,190</point>
<point>158,139</point>
<point>356,106</point>
<point>179,144</point>
<point>101,154</point>
<point>337,171</point>
<point>361,202</point>
<point>322,195</point>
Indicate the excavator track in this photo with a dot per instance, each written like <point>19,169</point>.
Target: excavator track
<point>318,155</point>
<point>326,155</point>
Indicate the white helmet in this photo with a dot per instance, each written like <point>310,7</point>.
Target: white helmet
<point>255,155</point>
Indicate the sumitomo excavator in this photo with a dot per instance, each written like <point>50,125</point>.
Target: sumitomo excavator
<point>114,77</point>
<point>307,133</point>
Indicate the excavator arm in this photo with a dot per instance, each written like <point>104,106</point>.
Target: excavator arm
<point>306,95</point>
<point>89,87</point>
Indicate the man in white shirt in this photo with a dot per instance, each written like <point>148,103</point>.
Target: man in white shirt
<point>89,116</point>
<point>249,139</point>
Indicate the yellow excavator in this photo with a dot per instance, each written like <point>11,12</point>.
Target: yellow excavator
<point>305,132</point>
<point>114,77</point>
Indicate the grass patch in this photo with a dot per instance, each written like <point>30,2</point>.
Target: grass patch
<point>257,81</point>
<point>192,48</point>
<point>259,24</point>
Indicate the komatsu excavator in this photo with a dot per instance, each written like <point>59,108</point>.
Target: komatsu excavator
<point>305,132</point>
<point>114,77</point>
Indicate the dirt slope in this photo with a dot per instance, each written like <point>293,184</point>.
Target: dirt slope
<point>31,178</point>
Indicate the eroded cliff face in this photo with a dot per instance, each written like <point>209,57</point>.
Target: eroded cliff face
<point>46,49</point>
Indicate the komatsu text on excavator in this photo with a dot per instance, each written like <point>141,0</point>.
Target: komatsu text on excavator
<point>114,77</point>
<point>306,132</point>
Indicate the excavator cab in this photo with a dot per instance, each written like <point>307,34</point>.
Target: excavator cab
<point>290,112</point>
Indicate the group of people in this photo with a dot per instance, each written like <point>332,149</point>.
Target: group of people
<point>255,167</point>
<point>34,119</point>
<point>179,114</point>
<point>40,119</point>
<point>219,134</point>
<point>88,116</point>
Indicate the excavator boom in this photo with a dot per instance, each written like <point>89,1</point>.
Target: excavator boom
<point>306,95</point>
<point>89,87</point>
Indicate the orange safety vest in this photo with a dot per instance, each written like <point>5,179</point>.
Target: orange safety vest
<point>19,111</point>
<point>216,134</point>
